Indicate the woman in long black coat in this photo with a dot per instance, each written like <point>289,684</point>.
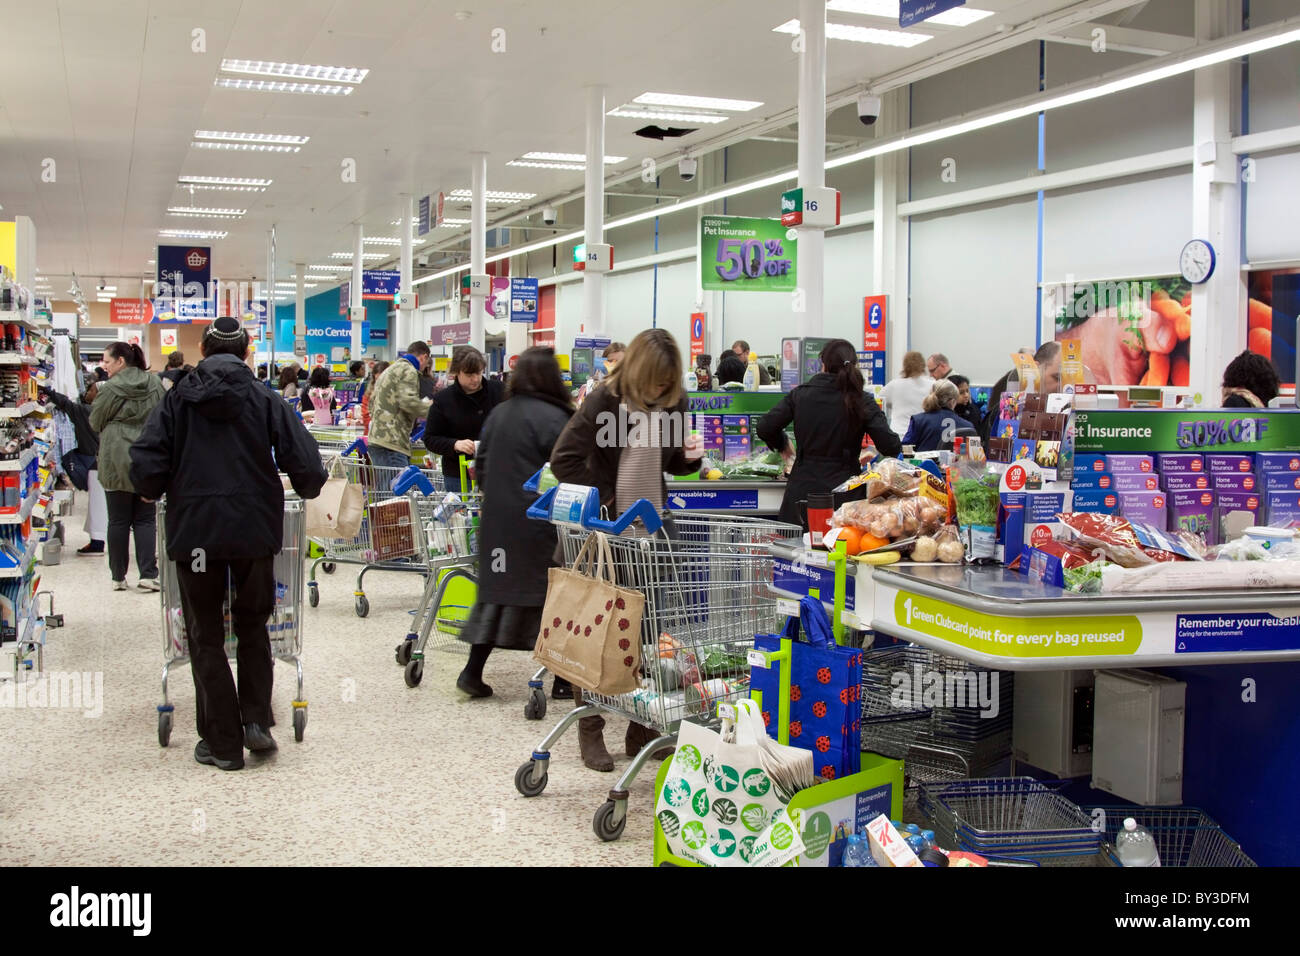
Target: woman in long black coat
<point>514,550</point>
<point>830,413</point>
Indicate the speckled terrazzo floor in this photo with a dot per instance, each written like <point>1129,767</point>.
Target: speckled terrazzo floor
<point>396,776</point>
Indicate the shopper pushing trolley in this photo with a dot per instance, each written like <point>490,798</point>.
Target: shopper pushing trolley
<point>208,447</point>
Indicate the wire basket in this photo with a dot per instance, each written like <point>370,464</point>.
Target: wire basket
<point>1010,816</point>
<point>1185,836</point>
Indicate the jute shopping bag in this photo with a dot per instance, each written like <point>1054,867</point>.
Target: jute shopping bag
<point>591,627</point>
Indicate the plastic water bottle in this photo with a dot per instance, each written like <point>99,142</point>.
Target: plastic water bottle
<point>752,376</point>
<point>858,853</point>
<point>1135,846</point>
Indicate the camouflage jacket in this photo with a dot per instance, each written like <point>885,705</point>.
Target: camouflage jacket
<point>395,404</point>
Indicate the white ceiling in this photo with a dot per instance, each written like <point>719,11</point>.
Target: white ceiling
<point>112,91</point>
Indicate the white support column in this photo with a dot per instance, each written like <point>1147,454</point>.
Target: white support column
<point>402,336</point>
<point>299,310</point>
<point>812,159</point>
<point>354,293</point>
<point>888,232</point>
<point>1219,305</point>
<point>270,290</point>
<point>593,218</point>
<point>477,243</point>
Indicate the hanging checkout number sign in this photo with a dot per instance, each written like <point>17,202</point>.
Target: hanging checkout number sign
<point>742,254</point>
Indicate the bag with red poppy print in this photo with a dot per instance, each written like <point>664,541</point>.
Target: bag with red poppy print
<point>591,627</point>
<point>825,692</point>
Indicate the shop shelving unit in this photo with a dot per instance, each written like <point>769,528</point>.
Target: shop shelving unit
<point>20,576</point>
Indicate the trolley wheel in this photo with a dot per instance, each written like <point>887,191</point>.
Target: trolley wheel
<point>535,707</point>
<point>328,567</point>
<point>363,605</point>
<point>313,595</point>
<point>404,650</point>
<point>604,825</point>
<point>414,673</point>
<point>164,727</point>
<point>526,784</point>
<point>299,723</point>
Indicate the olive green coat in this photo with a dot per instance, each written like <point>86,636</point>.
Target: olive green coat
<point>119,412</point>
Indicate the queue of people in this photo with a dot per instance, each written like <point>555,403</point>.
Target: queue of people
<point>213,438</point>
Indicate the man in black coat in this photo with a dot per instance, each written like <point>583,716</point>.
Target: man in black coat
<point>214,447</point>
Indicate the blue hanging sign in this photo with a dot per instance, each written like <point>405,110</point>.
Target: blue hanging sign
<point>916,11</point>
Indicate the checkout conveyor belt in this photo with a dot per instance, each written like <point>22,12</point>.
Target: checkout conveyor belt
<point>1000,619</point>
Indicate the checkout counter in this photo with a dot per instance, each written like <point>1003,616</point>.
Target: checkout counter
<point>727,422</point>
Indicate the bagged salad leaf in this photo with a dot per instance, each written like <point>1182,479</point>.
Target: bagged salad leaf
<point>976,492</point>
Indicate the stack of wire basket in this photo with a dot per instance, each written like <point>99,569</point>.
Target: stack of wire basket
<point>1016,817</point>
<point>1184,836</point>
<point>935,742</point>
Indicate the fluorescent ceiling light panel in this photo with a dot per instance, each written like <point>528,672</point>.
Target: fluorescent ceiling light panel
<point>296,71</point>
<point>192,234</point>
<point>206,211</point>
<point>682,100</point>
<point>539,164</point>
<point>568,157</point>
<point>281,138</point>
<point>244,147</point>
<point>278,86</point>
<point>842,31</point>
<point>223,182</point>
<point>330,267</point>
<point>888,9</point>
<point>491,195</point>
<point>367,255</point>
<point>667,116</point>
<point>382,241</point>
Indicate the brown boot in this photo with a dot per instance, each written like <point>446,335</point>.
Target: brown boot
<point>638,735</point>
<point>591,741</point>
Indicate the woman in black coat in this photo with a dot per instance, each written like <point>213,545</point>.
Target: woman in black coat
<point>515,551</point>
<point>458,412</point>
<point>831,412</point>
<point>936,425</point>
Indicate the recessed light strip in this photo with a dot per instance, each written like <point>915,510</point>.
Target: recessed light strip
<point>682,100</point>
<point>279,86</point>
<point>298,71</point>
<point>667,116</point>
<point>245,147</point>
<point>283,138</point>
<point>843,31</point>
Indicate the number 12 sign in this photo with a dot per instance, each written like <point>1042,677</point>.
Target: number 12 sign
<point>739,254</point>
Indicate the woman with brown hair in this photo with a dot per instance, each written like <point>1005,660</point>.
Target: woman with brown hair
<point>516,441</point>
<point>903,396</point>
<point>289,381</point>
<point>458,412</point>
<point>644,386</point>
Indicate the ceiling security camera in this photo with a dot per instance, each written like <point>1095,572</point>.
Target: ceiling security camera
<point>549,215</point>
<point>422,261</point>
<point>686,168</point>
<point>868,108</point>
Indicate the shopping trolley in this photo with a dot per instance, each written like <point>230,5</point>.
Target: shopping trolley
<point>707,584</point>
<point>389,536</point>
<point>284,626</point>
<point>449,528</point>
<point>335,440</point>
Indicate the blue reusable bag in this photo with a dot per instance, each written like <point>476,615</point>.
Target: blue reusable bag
<point>825,691</point>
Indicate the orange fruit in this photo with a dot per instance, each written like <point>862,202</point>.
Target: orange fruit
<point>852,539</point>
<point>869,542</point>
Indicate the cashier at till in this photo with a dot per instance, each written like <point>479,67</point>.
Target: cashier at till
<point>831,413</point>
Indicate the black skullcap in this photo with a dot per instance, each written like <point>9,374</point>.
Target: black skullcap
<point>225,329</point>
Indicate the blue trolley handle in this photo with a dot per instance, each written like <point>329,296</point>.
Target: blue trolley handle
<point>358,447</point>
<point>412,477</point>
<point>642,508</point>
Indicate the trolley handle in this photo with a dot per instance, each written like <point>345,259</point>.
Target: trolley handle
<point>580,506</point>
<point>412,477</point>
<point>358,447</point>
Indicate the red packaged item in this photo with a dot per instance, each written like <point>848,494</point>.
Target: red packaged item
<point>1112,535</point>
